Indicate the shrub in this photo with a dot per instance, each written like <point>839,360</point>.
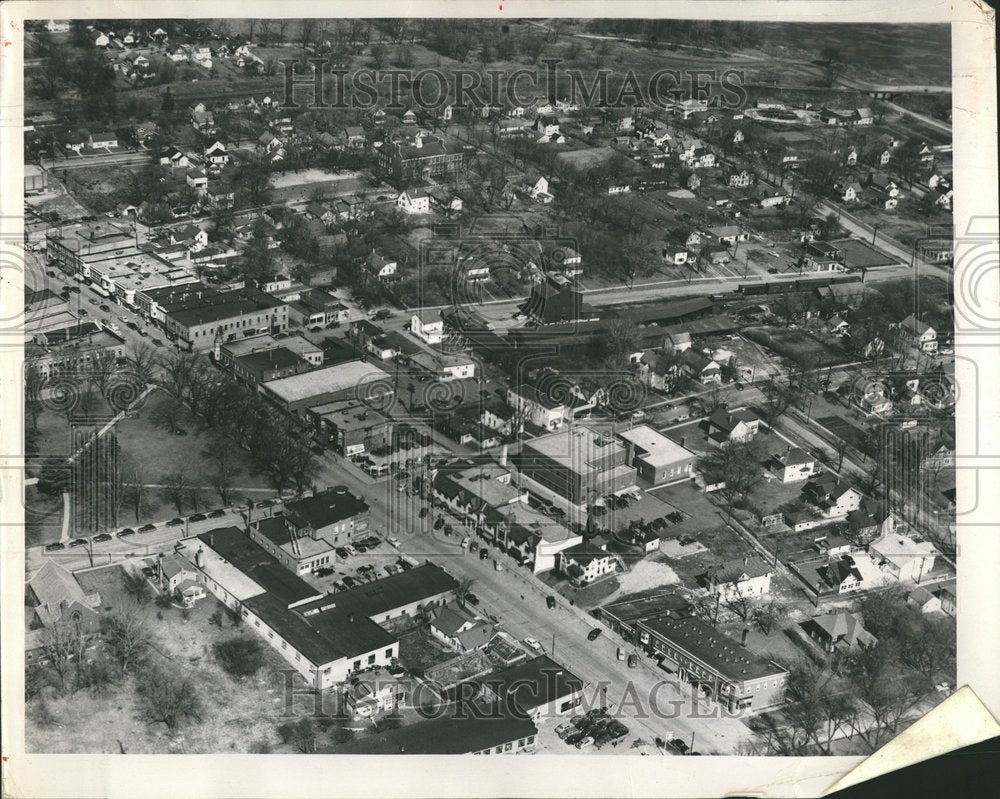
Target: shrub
<point>240,656</point>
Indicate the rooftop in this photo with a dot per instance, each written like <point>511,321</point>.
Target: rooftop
<point>657,449</point>
<point>327,380</point>
<point>534,683</point>
<point>328,507</point>
<point>575,447</point>
<point>717,651</point>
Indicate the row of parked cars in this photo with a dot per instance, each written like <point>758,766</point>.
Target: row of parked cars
<point>130,531</point>
<point>595,728</point>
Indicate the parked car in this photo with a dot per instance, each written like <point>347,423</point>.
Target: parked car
<point>156,342</point>
<point>594,634</point>
<point>471,598</point>
<point>100,539</point>
<point>533,644</point>
<point>350,582</point>
<point>404,565</point>
<point>215,514</point>
<point>497,566</point>
<point>585,742</point>
<point>147,528</point>
<point>473,545</point>
<point>78,542</point>
<point>465,542</point>
<point>126,532</point>
<point>393,541</point>
<point>198,517</point>
<point>342,553</point>
<point>324,572</point>
<point>55,547</point>
<point>574,738</point>
<point>484,554</point>
<point>91,300</point>
<point>105,308</point>
<point>175,522</point>
<point>679,746</point>
<point>633,661</point>
<point>350,550</point>
<point>564,729</point>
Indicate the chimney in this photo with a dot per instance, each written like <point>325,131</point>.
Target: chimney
<point>743,640</point>
<point>418,141</point>
<point>350,618</point>
<point>683,440</point>
<point>503,455</point>
<point>746,559</point>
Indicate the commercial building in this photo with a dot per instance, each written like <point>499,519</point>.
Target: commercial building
<point>721,668</point>
<point>325,637</point>
<point>72,350</point>
<point>300,345</point>
<point>657,459</point>
<point>205,321</point>
<point>353,379</point>
<point>298,553</point>
<point>576,465</point>
<point>259,367</point>
<point>539,688</point>
<point>335,514</point>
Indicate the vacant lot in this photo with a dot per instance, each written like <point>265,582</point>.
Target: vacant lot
<point>236,715</point>
<point>799,344</point>
<point>418,649</point>
<point>720,543</point>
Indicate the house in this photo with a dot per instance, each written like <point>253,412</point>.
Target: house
<point>740,180</point>
<point>382,268</point>
<point>104,138</point>
<point>428,326</point>
<point>922,336</point>
<point>833,497</point>
<point>57,26</point>
<point>202,120</point>
<point>445,366</point>
<point>770,196</point>
<point>177,54</point>
<point>699,367</point>
<point>835,576</point>
<point>837,325</point>
<point>461,629</point>
<point>178,577</point>
<point>839,632</point>
<point>196,179</point>
<point>173,158</point>
<point>795,464</point>
<point>674,254</point>
<point>538,407</point>
<point>728,234</point>
<point>851,159</point>
<point>99,39</point>
<point>901,558</point>
<point>367,696</point>
<point>849,192</point>
<point>414,201</point>
<point>924,600</point>
<point>143,132</point>
<point>547,125</point>
<point>871,520</point>
<point>693,182</point>
<point>587,562</point>
<point>353,137</point>
<point>216,154</point>
<point>725,427</point>
<point>74,142</point>
<point>194,237</point>
<point>539,191</point>
<point>738,578</point>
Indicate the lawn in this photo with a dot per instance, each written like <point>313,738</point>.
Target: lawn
<point>236,715</point>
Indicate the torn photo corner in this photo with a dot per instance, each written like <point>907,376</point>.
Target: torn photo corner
<point>387,392</point>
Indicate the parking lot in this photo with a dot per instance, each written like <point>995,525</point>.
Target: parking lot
<point>358,564</point>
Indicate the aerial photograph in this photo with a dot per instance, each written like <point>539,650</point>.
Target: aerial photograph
<point>473,386</point>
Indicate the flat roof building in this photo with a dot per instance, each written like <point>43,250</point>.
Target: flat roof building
<point>299,392</point>
<point>657,459</point>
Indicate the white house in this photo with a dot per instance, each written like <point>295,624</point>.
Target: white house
<point>922,335</point>
<point>216,153</point>
<point>427,326</point>
<point>795,464</point>
<point>902,558</point>
<point>414,201</point>
<point>382,268</point>
<point>746,577</point>
<point>539,191</point>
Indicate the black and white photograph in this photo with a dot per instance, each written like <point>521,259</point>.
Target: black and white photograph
<point>491,385</point>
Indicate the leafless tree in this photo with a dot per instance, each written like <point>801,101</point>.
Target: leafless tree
<point>128,638</point>
<point>176,488</point>
<point>169,697</point>
<point>60,644</point>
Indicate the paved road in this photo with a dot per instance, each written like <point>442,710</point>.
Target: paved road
<point>517,598</point>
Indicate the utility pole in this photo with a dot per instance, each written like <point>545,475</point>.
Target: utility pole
<point>553,644</point>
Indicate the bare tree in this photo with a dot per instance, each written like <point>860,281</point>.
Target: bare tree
<point>128,638</point>
<point>768,613</point>
<point>169,697</point>
<point>226,469</point>
<point>136,586</point>
<point>464,586</point>
<point>176,489</point>
<point>60,643</point>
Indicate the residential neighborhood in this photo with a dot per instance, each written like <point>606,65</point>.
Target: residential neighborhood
<point>457,425</point>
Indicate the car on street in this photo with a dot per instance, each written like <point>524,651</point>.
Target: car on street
<point>594,634</point>
<point>473,546</point>
<point>50,273</point>
<point>105,308</point>
<point>197,517</point>
<point>533,644</point>
<point>679,746</point>
<point>550,601</point>
<point>471,598</point>
<point>100,539</point>
<point>131,325</point>
<point>83,312</point>
<point>175,522</point>
<point>484,554</point>
<point>497,566</point>
<point>215,514</point>
<point>126,532</point>
<point>404,565</point>
<point>78,542</point>
<point>465,542</point>
<point>55,547</point>
<point>156,342</point>
<point>91,300</point>
<point>393,541</point>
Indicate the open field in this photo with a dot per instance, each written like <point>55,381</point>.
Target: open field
<point>799,344</point>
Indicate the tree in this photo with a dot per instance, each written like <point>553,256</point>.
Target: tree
<point>239,656</point>
<point>464,586</point>
<point>226,469</point>
<point>168,414</point>
<point>886,690</point>
<point>768,613</point>
<point>169,697</point>
<point>136,586</point>
<point>736,465</point>
<point>127,637</point>
<point>778,395</point>
<point>176,489</point>
<point>736,600</point>
<point>707,404</point>
<point>61,642</point>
